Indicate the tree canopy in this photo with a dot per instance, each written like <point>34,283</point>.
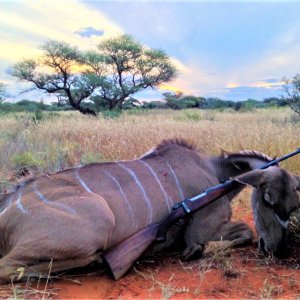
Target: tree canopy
<point>118,69</point>
<point>292,92</point>
<point>3,93</point>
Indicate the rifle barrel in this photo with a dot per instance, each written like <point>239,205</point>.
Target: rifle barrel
<point>276,161</point>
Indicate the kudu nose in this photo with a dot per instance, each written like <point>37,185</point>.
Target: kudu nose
<point>261,245</point>
<point>281,251</point>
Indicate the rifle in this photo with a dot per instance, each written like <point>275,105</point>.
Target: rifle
<point>121,257</point>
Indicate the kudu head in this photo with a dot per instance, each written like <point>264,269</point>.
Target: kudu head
<point>273,199</point>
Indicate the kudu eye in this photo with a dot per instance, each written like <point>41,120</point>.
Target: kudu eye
<point>267,198</point>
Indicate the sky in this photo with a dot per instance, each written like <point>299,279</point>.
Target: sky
<point>233,50</point>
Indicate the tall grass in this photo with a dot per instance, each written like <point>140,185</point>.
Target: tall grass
<point>69,138</point>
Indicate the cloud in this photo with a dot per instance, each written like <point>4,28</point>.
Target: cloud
<point>169,88</point>
<point>31,23</point>
<point>271,80</point>
<point>232,85</point>
<point>280,58</point>
<point>12,52</point>
<point>193,78</point>
<point>257,76</point>
<point>8,70</point>
<point>265,84</point>
<point>25,25</point>
<point>241,93</point>
<point>89,31</point>
<point>277,59</point>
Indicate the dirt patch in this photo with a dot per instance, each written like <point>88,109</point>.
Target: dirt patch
<point>234,274</point>
<point>239,273</point>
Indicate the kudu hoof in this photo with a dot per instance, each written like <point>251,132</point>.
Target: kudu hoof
<point>193,252</point>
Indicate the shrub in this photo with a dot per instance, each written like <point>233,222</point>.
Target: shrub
<point>27,159</point>
<point>111,114</point>
<point>90,157</point>
<point>209,115</point>
<point>189,115</point>
<point>154,105</point>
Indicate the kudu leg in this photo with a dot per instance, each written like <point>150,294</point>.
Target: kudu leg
<point>232,234</point>
<point>11,269</point>
<point>48,267</point>
<point>174,240</point>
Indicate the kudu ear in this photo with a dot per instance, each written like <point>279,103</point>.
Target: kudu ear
<point>297,182</point>
<point>246,160</point>
<point>254,178</point>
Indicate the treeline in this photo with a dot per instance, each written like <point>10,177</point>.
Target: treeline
<point>170,101</point>
<point>34,106</point>
<point>181,101</point>
<point>31,106</point>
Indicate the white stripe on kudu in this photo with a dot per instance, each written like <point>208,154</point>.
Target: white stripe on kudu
<point>4,210</point>
<point>20,206</point>
<point>283,223</point>
<point>8,202</point>
<point>140,186</point>
<point>166,197</point>
<point>83,184</point>
<point>176,180</point>
<point>128,205</point>
<point>56,205</point>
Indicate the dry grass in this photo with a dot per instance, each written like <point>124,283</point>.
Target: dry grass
<point>167,287</point>
<point>70,138</point>
<point>40,288</point>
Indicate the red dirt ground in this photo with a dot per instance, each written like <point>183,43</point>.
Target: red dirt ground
<point>237,273</point>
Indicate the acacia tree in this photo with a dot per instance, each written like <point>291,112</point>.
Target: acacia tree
<point>3,93</point>
<point>126,68</point>
<point>120,68</point>
<point>57,72</point>
<point>292,92</point>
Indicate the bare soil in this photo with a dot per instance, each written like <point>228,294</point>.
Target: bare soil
<point>238,274</point>
<point>233,274</point>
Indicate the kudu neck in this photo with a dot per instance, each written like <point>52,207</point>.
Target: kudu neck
<point>226,170</point>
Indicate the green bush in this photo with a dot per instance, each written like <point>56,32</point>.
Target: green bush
<point>27,159</point>
<point>181,103</point>
<point>189,115</point>
<point>209,115</point>
<point>89,157</point>
<point>111,114</point>
<point>38,116</point>
<point>154,105</point>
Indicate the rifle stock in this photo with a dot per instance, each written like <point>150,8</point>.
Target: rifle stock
<point>122,256</point>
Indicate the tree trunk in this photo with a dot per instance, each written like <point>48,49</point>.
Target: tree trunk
<point>120,102</point>
<point>86,111</point>
<point>111,105</point>
<point>83,110</point>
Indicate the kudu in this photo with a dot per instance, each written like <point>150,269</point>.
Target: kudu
<point>72,216</point>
